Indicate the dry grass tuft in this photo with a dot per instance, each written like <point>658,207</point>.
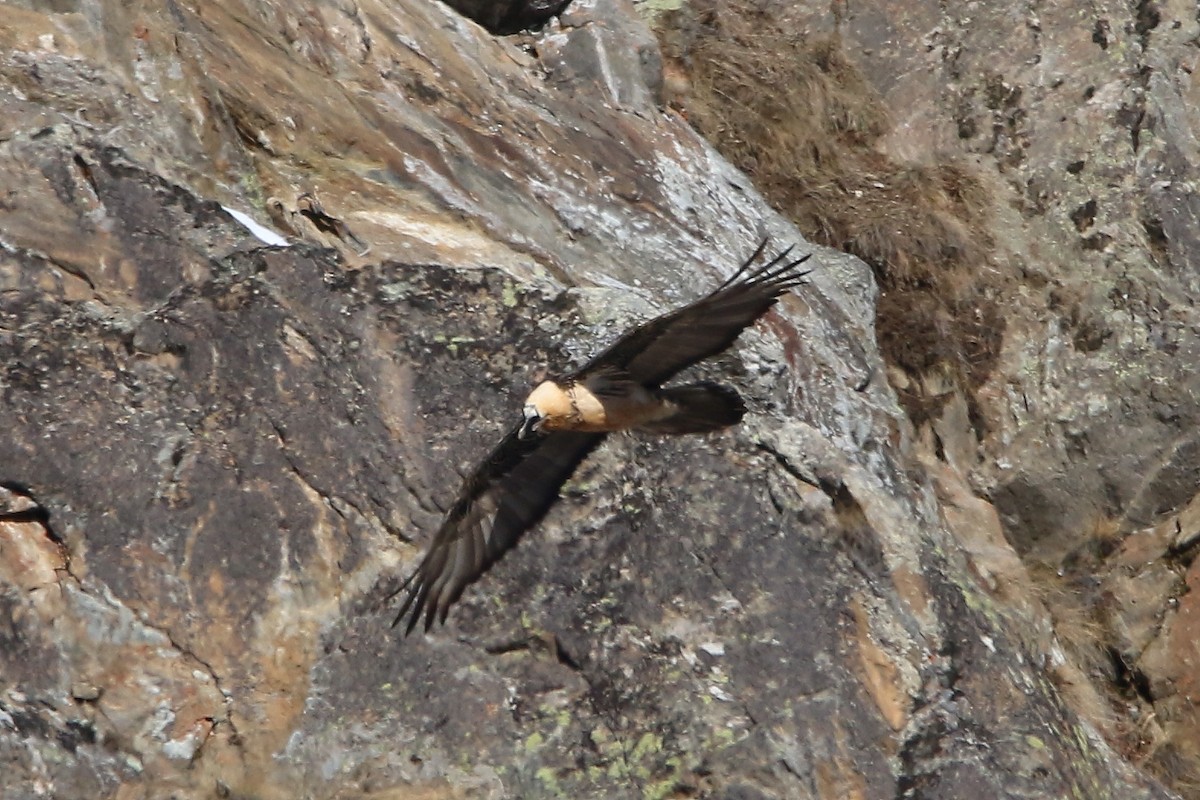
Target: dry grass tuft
<point>796,114</point>
<point>1105,685</point>
<point>1085,677</point>
<point>1176,762</point>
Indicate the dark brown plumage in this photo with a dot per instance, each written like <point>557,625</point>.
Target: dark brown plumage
<point>619,389</point>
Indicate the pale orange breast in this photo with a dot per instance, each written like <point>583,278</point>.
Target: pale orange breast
<point>615,413</point>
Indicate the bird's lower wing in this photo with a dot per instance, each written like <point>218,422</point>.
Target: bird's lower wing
<point>508,493</point>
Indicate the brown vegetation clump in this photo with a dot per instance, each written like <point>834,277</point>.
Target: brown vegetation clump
<point>794,113</point>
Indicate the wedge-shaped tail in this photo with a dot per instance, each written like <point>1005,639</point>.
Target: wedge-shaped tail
<point>700,408</point>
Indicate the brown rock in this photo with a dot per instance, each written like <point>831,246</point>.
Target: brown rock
<point>239,449</point>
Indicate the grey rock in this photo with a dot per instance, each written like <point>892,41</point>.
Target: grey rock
<point>241,449</point>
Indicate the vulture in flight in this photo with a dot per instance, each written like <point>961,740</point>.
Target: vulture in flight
<point>564,419</point>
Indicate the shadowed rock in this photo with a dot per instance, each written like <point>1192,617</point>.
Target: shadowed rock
<point>511,16</point>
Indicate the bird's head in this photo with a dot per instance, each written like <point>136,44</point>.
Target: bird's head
<point>548,406</point>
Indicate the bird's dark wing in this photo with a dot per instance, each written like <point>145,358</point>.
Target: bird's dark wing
<point>653,352</point>
<point>510,491</point>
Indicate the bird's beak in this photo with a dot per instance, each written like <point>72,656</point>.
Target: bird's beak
<point>533,421</point>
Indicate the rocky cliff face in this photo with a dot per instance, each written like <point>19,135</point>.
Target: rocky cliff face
<point>221,453</point>
<point>1030,174</point>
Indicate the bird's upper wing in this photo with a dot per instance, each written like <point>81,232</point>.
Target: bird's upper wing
<point>510,491</point>
<point>656,350</point>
